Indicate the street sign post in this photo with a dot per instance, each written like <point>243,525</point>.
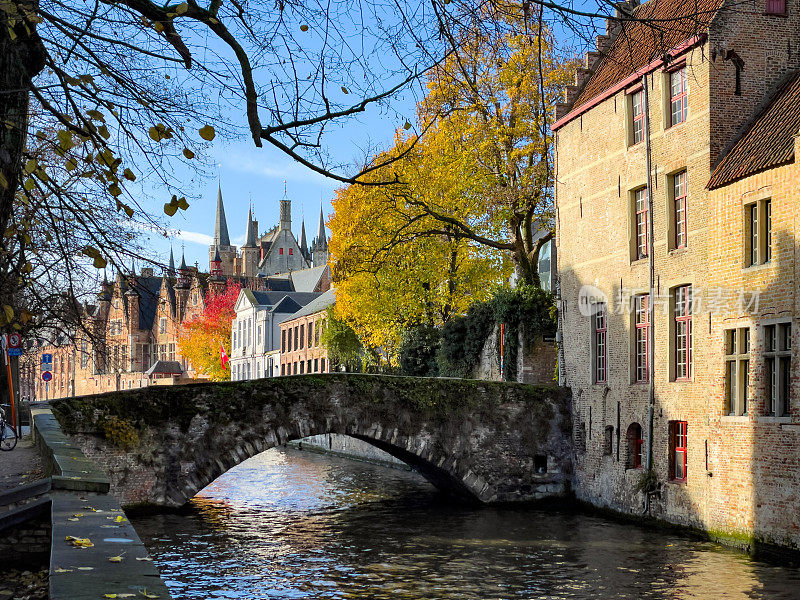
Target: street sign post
<point>47,362</point>
<point>47,376</point>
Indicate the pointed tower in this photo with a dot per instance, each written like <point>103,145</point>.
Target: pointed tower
<point>286,210</point>
<point>171,266</point>
<point>222,240</point>
<point>221,237</point>
<point>182,288</point>
<point>303,244</point>
<point>319,248</point>
<point>249,260</point>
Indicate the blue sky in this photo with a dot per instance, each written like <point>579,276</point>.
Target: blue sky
<point>247,173</point>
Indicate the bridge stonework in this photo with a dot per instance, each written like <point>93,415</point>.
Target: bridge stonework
<point>484,441</point>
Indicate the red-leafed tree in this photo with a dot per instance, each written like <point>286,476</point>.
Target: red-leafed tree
<point>200,338</point>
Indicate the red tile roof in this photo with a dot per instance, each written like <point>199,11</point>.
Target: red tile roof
<point>660,26</point>
<point>769,139</point>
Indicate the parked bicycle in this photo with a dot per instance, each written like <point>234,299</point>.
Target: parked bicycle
<point>8,435</point>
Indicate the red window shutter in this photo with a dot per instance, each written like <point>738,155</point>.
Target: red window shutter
<point>291,251</point>
<point>776,7</point>
<point>280,251</point>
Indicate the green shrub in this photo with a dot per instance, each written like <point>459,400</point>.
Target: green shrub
<point>418,351</point>
<point>463,338</point>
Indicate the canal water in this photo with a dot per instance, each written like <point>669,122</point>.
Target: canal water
<point>291,524</point>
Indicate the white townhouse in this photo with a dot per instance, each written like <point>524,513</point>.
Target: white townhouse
<point>255,337</point>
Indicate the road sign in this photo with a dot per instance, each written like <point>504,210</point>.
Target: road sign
<point>47,376</point>
<point>15,351</point>
<point>47,362</point>
<point>14,340</point>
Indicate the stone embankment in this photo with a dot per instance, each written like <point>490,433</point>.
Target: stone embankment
<point>94,551</point>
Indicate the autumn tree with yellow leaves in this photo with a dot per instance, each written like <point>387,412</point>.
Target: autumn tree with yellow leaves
<point>468,198</point>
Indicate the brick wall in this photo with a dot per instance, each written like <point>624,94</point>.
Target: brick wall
<point>737,483</point>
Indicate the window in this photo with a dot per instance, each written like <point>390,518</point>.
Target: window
<point>316,365</point>
<point>172,351</point>
<point>758,234</point>
<point>296,337</point>
<point>637,111</point>
<point>308,366</point>
<point>123,359</point>
<point>322,365</point>
<point>283,340</point>
<point>737,370</point>
<point>294,368</point>
<point>776,7</point>
<point>641,338</point>
<point>316,333</point>
<point>163,349</point>
<point>634,443</point>
<point>679,192</point>
<point>678,96</point>
<point>600,343</point>
<point>308,334</point>
<point>283,370</point>
<point>778,363</point>
<point>302,336</point>
<point>641,209</point>
<point>280,251</point>
<point>545,268</point>
<point>162,325</point>
<point>683,332</point>
<point>291,251</point>
<point>608,440</point>
<point>84,354</point>
<point>258,338</point>
<point>677,450</point>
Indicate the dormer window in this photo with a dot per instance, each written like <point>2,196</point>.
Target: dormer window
<point>776,7</point>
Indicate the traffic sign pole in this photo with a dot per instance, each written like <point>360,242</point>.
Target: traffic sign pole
<point>11,392</point>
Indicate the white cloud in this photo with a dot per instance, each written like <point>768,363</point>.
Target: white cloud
<point>191,236</point>
<point>291,171</point>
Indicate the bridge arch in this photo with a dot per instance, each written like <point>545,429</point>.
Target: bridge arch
<point>483,441</point>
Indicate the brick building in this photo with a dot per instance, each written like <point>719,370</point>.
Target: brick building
<point>301,348</point>
<point>653,271</point>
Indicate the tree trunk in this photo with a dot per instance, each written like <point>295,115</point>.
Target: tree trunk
<point>21,58</point>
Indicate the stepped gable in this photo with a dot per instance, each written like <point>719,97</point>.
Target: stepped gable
<point>769,140</point>
<point>629,46</point>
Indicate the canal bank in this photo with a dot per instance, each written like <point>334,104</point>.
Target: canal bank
<point>94,551</point>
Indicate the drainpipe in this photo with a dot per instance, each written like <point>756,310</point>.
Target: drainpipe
<point>562,370</point>
<point>652,273</point>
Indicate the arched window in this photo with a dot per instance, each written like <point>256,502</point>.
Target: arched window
<point>633,445</point>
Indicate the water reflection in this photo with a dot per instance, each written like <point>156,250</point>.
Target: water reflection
<point>288,524</point>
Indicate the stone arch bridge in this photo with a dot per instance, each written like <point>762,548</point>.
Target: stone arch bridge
<point>485,441</point>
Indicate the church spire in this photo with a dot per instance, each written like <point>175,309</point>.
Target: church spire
<point>221,237</point>
<point>250,232</point>
<point>322,237</point>
<point>303,242</point>
<point>171,266</point>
